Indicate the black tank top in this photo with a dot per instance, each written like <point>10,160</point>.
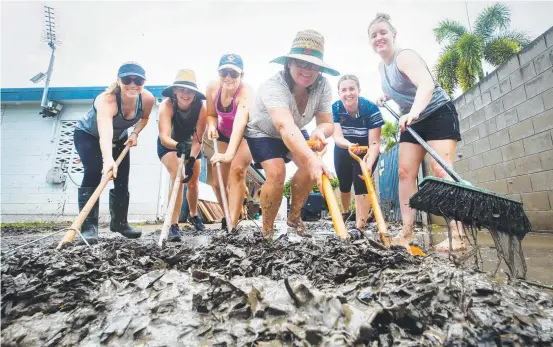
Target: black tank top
<point>183,124</point>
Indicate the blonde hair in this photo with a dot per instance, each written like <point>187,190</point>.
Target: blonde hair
<point>382,17</point>
<point>348,78</point>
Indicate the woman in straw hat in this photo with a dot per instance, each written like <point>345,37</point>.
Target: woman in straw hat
<point>429,111</point>
<point>284,104</point>
<point>182,123</point>
<point>228,105</point>
<point>101,135</point>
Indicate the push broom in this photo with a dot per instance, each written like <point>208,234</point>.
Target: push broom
<point>474,207</point>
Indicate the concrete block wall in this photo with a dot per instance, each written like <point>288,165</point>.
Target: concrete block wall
<point>506,123</point>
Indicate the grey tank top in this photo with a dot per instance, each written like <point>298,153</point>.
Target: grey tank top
<point>89,123</point>
<point>398,86</point>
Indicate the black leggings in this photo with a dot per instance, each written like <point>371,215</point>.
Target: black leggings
<point>88,148</point>
<point>348,171</point>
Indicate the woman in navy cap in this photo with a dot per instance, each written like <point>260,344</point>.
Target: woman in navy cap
<point>228,107</point>
<point>181,128</point>
<point>101,135</point>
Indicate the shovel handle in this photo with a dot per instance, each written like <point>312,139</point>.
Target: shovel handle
<point>333,208</point>
<point>71,232</point>
<point>171,206</point>
<point>223,190</point>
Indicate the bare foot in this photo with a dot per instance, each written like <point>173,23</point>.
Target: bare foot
<point>301,230</point>
<point>268,234</point>
<point>457,245</point>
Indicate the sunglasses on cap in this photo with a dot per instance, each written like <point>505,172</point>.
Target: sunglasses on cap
<point>128,79</point>
<point>224,72</point>
<point>302,64</point>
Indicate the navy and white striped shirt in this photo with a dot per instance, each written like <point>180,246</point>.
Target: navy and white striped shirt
<point>356,128</point>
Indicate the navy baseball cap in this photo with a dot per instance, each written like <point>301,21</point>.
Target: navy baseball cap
<point>231,61</point>
<point>131,69</point>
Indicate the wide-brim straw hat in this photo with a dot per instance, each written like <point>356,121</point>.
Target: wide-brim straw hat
<point>185,79</point>
<point>308,45</point>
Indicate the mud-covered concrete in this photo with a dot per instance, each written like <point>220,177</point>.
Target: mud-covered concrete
<point>234,290</point>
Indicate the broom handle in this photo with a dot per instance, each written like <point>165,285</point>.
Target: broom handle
<point>429,149</point>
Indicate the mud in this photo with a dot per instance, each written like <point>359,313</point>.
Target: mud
<point>216,289</point>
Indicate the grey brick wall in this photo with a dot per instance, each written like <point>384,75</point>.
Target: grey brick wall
<point>506,124</point>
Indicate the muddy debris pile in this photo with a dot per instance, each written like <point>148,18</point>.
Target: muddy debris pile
<point>241,290</point>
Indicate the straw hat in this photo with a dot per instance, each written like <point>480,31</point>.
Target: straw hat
<point>308,45</point>
<point>185,79</point>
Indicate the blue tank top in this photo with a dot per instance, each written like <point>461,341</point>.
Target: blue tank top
<point>89,123</point>
<point>398,86</point>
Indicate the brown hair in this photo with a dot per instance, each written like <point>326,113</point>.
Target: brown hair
<point>348,78</point>
<point>381,17</point>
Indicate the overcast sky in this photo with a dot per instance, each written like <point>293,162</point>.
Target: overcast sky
<point>97,36</point>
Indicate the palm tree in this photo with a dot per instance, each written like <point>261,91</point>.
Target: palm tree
<point>460,63</point>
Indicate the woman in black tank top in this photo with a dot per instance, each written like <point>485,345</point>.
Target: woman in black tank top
<point>182,122</point>
<point>415,90</point>
<point>124,104</point>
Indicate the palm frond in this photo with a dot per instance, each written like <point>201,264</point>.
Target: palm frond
<point>449,30</point>
<point>521,37</point>
<point>465,77</point>
<point>470,49</point>
<point>446,70</point>
<point>491,19</point>
<point>499,50</point>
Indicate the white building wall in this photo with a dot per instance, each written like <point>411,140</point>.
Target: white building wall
<point>27,153</point>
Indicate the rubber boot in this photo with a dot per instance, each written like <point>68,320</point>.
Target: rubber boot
<point>89,228</point>
<point>118,209</point>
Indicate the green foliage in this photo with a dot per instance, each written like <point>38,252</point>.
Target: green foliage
<point>460,64</point>
<point>288,186</point>
<point>390,134</point>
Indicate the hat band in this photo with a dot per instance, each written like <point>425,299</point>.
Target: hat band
<point>307,51</point>
<point>186,83</point>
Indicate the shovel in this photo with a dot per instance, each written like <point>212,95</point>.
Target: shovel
<point>380,223</point>
<point>223,190</point>
<point>76,226</point>
<point>171,207</point>
<point>331,202</point>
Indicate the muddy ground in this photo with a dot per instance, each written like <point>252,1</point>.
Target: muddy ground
<point>215,289</point>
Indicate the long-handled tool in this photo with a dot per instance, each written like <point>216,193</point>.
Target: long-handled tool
<point>331,202</point>
<point>223,190</point>
<point>475,207</point>
<point>76,226</point>
<point>171,206</point>
<point>380,223</point>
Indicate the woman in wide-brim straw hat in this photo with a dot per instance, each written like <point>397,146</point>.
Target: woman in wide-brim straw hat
<point>429,111</point>
<point>100,137</point>
<point>228,106</point>
<point>182,123</point>
<point>284,104</point>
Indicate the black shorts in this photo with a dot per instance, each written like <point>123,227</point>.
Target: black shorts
<point>222,137</point>
<point>162,150</point>
<point>266,148</point>
<point>348,171</point>
<point>442,124</point>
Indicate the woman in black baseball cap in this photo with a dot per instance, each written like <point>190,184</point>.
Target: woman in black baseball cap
<point>101,135</point>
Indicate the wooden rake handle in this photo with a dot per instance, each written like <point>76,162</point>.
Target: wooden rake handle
<point>223,190</point>
<point>72,231</point>
<point>380,223</point>
<point>171,205</point>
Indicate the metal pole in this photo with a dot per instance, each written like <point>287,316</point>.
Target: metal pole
<point>48,74</point>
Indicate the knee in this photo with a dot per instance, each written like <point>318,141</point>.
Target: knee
<point>439,171</point>
<point>276,178</point>
<point>406,174</point>
<point>238,172</point>
<point>193,185</point>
